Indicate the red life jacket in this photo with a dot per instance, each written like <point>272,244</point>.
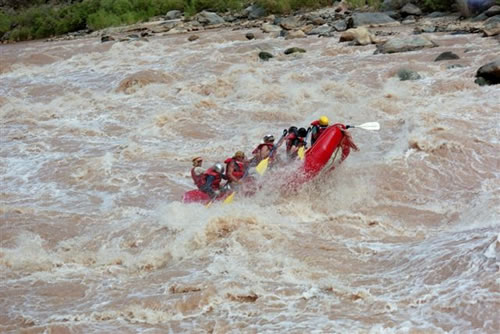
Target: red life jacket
<point>211,172</point>
<point>319,129</point>
<point>197,179</point>
<point>239,168</point>
<point>294,139</point>
<point>258,148</point>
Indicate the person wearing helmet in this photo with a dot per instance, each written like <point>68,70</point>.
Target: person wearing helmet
<point>295,139</point>
<point>211,180</point>
<point>235,168</point>
<point>317,128</point>
<point>262,150</point>
<point>197,171</point>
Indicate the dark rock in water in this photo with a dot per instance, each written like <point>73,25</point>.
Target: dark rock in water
<point>265,55</point>
<point>250,35</point>
<point>107,38</point>
<point>193,38</point>
<point>448,55</point>
<point>294,50</point>
<point>452,66</point>
<point>406,74</point>
<point>404,44</point>
<point>488,74</point>
<point>410,9</point>
<point>133,36</point>
<point>360,19</point>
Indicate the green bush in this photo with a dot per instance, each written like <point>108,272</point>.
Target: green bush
<point>4,23</point>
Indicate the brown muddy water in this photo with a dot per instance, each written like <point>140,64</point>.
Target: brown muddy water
<point>96,143</point>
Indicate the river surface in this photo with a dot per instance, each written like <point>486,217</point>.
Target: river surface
<point>96,147</point>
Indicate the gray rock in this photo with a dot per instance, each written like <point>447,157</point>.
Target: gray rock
<point>193,38</point>
<point>448,55</point>
<point>173,14</point>
<point>492,26</point>
<point>254,12</point>
<point>250,35</point>
<point>340,25</point>
<point>492,11</point>
<point>410,9</point>
<point>290,23</point>
<point>294,50</point>
<point>410,19</point>
<point>489,73</point>
<point>266,27</point>
<point>361,19</point>
<point>321,30</point>
<point>405,44</point>
<point>265,56</point>
<point>209,18</point>
<point>407,74</point>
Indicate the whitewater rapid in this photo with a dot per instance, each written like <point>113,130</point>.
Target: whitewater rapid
<point>96,147</point>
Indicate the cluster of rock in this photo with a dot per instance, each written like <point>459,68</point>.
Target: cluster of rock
<point>336,21</point>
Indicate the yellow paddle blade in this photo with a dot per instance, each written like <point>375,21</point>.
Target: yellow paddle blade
<point>208,204</point>
<point>229,199</point>
<point>262,166</point>
<point>301,153</point>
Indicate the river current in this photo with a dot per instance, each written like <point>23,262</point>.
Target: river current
<point>96,147</point>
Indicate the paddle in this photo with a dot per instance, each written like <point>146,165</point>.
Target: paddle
<point>263,164</point>
<point>371,126</point>
<point>229,199</point>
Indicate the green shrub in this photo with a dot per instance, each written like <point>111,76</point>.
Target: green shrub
<point>4,23</point>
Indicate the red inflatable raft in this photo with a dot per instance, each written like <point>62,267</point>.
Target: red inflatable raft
<point>333,138</point>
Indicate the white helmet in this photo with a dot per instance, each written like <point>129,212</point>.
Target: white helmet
<point>219,168</point>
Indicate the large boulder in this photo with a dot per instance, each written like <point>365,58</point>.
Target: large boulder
<point>267,27</point>
<point>489,74</point>
<point>360,36</point>
<point>323,30</point>
<point>173,14</point>
<point>208,18</point>
<point>290,23</point>
<point>404,44</point>
<point>492,11</point>
<point>410,9</point>
<point>254,12</point>
<point>371,19</point>
<point>491,26</point>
